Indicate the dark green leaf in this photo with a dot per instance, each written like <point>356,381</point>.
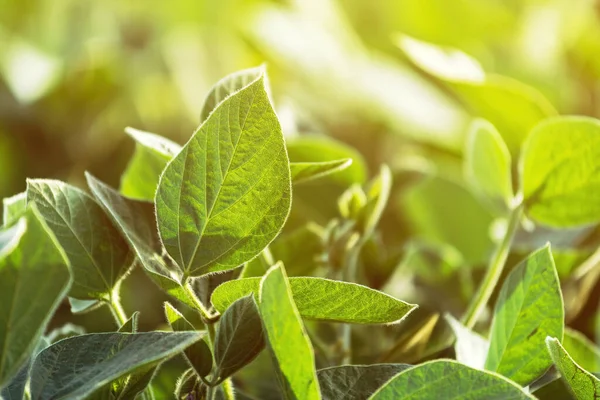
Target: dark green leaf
<point>227,194</point>
<point>131,325</point>
<point>13,208</point>
<point>34,278</point>
<point>355,382</point>
<point>529,308</point>
<point>560,167</point>
<point>325,299</point>
<point>291,349</point>
<point>583,384</point>
<point>239,337</point>
<point>152,153</point>
<point>76,367</point>
<point>198,354</point>
<point>98,253</point>
<point>448,379</point>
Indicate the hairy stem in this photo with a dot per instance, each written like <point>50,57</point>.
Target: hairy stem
<point>495,268</point>
<point>117,309</point>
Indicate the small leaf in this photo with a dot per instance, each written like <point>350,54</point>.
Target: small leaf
<point>448,379</point>
<point>83,306</point>
<point>137,383</point>
<point>378,192</point>
<point>325,300</point>
<point>239,337</point>
<point>227,194</point>
<point>76,367</point>
<point>560,169</point>
<point>131,325</point>
<point>471,349</point>
<point>136,221</point>
<point>355,382</point>
<point>13,208</point>
<point>308,171</point>
<point>488,162</point>
<point>198,354</point>
<point>228,86</point>
<point>34,278</point>
<point>583,351</point>
<point>98,253</point>
<point>583,384</point>
<point>287,337</point>
<point>152,153</point>
<point>529,308</point>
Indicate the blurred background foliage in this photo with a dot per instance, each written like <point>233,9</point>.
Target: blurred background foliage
<point>398,81</point>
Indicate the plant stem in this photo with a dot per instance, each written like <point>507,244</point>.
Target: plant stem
<point>117,310</point>
<point>351,272</point>
<point>495,269</point>
<point>267,258</point>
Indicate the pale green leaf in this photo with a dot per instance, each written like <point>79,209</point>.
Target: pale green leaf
<point>13,207</point>
<point>355,382</point>
<point>325,300</point>
<point>560,169</point>
<point>76,367</point>
<point>83,306</point>
<point>446,380</point>
<point>136,221</point>
<point>152,153</point>
<point>471,349</point>
<point>582,383</point>
<point>227,194</point>
<point>239,337</point>
<point>529,308</point>
<point>198,354</point>
<point>378,192</point>
<point>34,278</point>
<point>488,162</point>
<point>583,351</point>
<point>98,253</point>
<point>228,86</point>
<point>287,337</point>
<point>308,171</point>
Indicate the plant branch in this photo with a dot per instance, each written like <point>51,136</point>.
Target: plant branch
<point>116,309</point>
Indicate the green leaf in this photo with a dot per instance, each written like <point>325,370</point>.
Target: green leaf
<point>83,306</point>
<point>583,351</point>
<point>76,367</point>
<point>98,253</point>
<point>529,308</point>
<point>152,153</point>
<point>355,382</point>
<point>227,194</point>
<point>471,349</point>
<point>448,379</point>
<point>488,162</point>
<point>308,171</point>
<point>198,354</point>
<point>136,221</point>
<point>378,192</point>
<point>287,337</point>
<point>131,325</point>
<point>34,278</point>
<point>239,337</point>
<point>137,383</point>
<point>583,384</point>
<point>16,387</point>
<point>13,208</point>
<point>228,86</point>
<point>325,300</point>
<point>560,168</point>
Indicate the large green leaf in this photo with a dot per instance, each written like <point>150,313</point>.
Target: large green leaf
<point>560,168</point>
<point>136,221</point>
<point>34,278</point>
<point>529,308</point>
<point>583,351</point>
<point>76,367</point>
<point>488,162</point>
<point>239,337</point>
<point>287,337</point>
<point>98,253</point>
<point>355,382</point>
<point>227,194</point>
<point>13,207</point>
<point>471,349</point>
<point>152,153</point>
<point>582,383</point>
<point>198,354</point>
<point>325,300</point>
<point>448,379</point>
<point>228,86</point>
<point>308,171</point>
